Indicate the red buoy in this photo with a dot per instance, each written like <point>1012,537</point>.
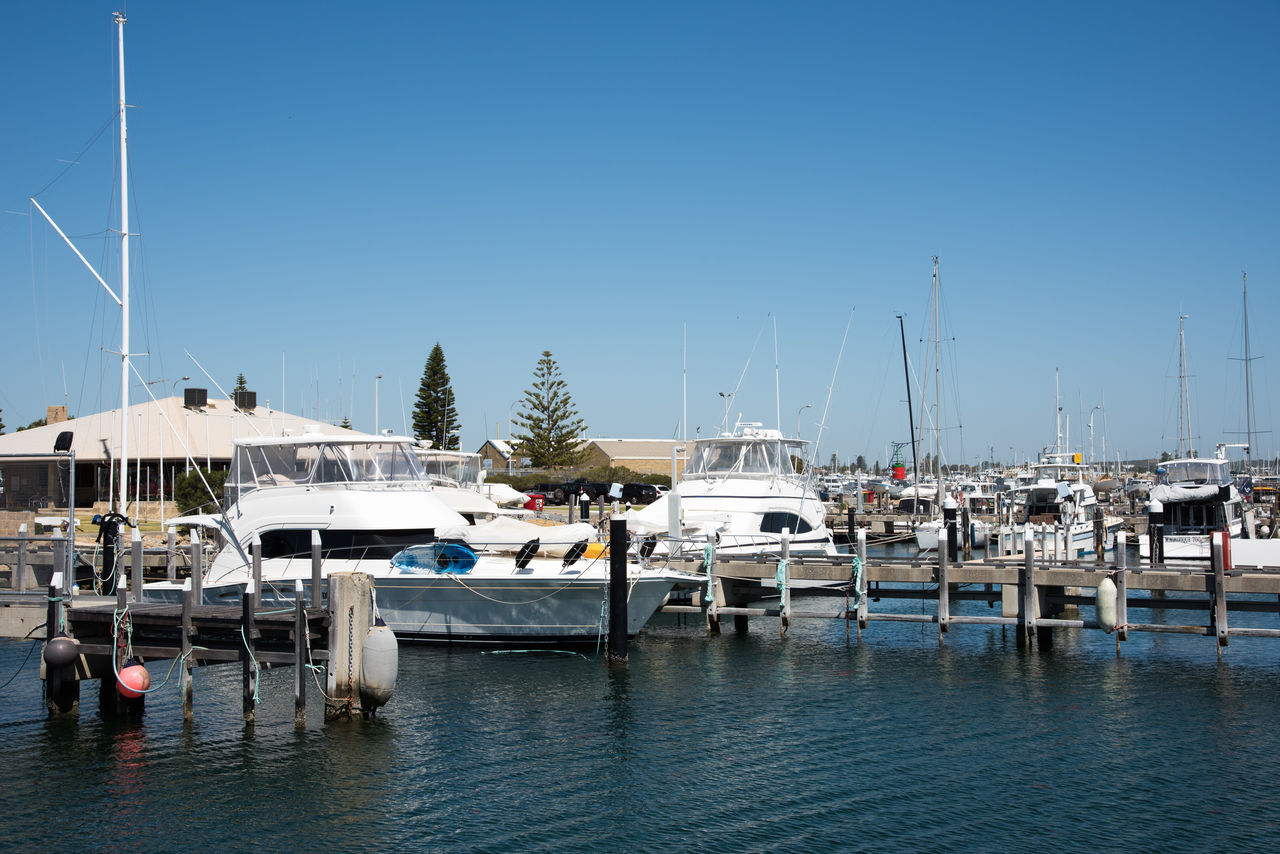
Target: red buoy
<point>133,680</point>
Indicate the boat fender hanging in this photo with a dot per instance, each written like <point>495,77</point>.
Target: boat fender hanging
<point>61,651</point>
<point>526,553</point>
<point>133,679</point>
<point>575,551</point>
<point>379,665</point>
<point>1106,605</point>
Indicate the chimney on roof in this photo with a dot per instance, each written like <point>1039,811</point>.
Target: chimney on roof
<point>55,414</point>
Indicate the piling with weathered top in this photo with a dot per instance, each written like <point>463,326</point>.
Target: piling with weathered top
<point>617,650</point>
<point>350,605</point>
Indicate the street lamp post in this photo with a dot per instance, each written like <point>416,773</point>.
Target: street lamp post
<point>724,425</point>
<point>376,381</point>
<point>1096,407</point>
<point>802,409</point>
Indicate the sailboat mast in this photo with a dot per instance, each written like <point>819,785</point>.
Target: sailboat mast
<point>1248,383</point>
<point>937,385</point>
<point>911,425</point>
<point>124,282</point>
<point>1184,402</point>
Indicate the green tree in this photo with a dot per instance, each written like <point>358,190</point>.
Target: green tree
<point>345,423</point>
<point>861,463</point>
<point>39,422</point>
<point>190,494</point>
<point>241,385</point>
<point>435,415</point>
<point>1,424</point>
<point>547,428</point>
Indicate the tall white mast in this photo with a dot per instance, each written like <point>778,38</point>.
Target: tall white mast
<point>1184,399</point>
<point>1248,383</point>
<point>124,282</point>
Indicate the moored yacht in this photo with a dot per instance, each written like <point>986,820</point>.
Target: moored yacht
<point>742,490</point>
<point>435,577</point>
<point>1198,498</point>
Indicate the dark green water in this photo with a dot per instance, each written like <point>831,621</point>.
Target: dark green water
<point>727,743</point>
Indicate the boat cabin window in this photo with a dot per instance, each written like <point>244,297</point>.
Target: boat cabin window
<point>775,522</point>
<point>764,458</point>
<point>310,463</point>
<point>1216,472</point>
<point>343,545</point>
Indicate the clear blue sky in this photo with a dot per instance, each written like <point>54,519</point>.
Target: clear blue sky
<point>326,190</point>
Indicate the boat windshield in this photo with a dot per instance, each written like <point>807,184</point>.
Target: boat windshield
<point>462,469</point>
<point>1216,472</point>
<point>758,458</point>
<point>311,464</point>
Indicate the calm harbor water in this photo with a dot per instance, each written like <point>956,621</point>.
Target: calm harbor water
<point>727,743</point>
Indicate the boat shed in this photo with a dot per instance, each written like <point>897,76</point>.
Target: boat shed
<point>167,437</point>
<point>644,456</point>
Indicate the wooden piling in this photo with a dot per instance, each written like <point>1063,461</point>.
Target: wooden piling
<point>197,565</point>
<point>171,555</point>
<point>784,621</point>
<point>350,602</point>
<point>248,665</point>
<point>1027,599</point>
<point>862,593</point>
<point>1219,601</point>
<point>944,594</point>
<point>713,593</point>
<point>1122,596</point>
<point>617,649</point>
<point>21,569</point>
<point>135,559</point>
<point>315,569</point>
<point>188,683</point>
<point>255,549</point>
<point>300,656</point>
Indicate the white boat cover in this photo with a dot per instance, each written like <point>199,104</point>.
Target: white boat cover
<point>503,494</point>
<point>1164,493</point>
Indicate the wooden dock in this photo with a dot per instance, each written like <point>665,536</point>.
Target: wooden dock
<point>1033,593</point>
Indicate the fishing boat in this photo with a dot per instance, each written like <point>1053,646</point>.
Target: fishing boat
<point>1198,498</point>
<point>370,505</point>
<point>1061,503</point>
<point>741,490</point>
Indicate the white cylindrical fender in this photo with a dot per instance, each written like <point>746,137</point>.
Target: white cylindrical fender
<point>1106,605</point>
<point>379,665</point>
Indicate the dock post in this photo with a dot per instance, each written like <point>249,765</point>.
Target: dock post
<point>713,609</point>
<point>248,665</point>
<point>62,688</point>
<point>944,594</point>
<point>299,657</point>
<point>197,564</point>
<point>1219,615</point>
<point>966,530</point>
<point>135,555</point>
<point>21,568</point>
<point>617,649</point>
<point>947,536</point>
<point>60,560</point>
<point>255,550</point>
<point>784,583</point>
<point>1155,531</point>
<point>315,569</point>
<point>188,684</point>
<point>1122,579</point>
<point>1027,596</point>
<point>350,602</point>
<point>1099,540</point>
<point>862,592</point>
<point>171,555</point>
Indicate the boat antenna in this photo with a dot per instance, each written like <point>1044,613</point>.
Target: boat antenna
<point>724,425</point>
<point>777,376</point>
<point>826,407</point>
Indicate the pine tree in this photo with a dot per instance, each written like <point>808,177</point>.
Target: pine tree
<point>547,428</point>
<point>435,413</point>
<point>241,385</point>
<point>345,423</point>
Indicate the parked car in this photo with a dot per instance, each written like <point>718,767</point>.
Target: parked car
<point>639,493</point>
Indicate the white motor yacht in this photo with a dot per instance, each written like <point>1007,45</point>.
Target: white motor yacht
<point>435,577</point>
<point>742,490</point>
<point>1198,498</point>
